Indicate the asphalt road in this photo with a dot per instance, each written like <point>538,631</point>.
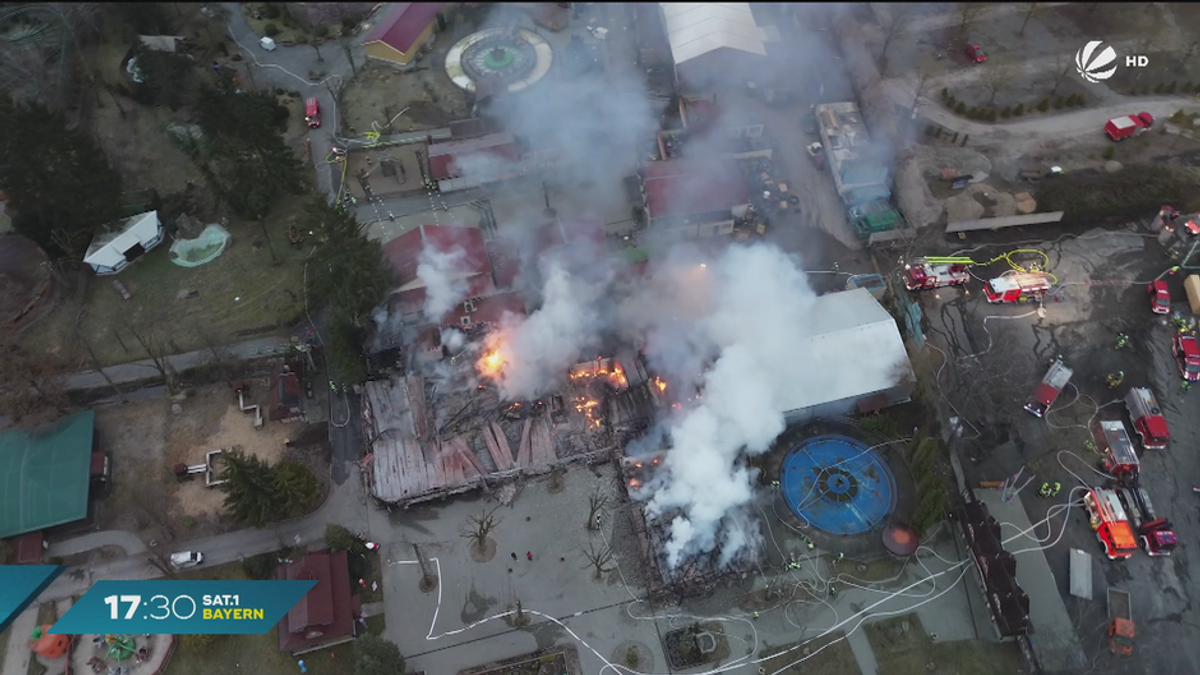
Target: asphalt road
<point>1102,275</point>
<point>289,67</point>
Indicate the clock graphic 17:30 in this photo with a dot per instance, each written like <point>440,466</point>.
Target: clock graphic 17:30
<point>182,607</point>
<point>158,607</point>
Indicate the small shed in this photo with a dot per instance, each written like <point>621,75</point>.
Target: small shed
<point>124,242</point>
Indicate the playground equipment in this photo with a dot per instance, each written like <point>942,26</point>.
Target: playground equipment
<point>41,642</point>
<point>183,472</point>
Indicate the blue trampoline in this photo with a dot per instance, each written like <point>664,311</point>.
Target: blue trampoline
<point>837,484</point>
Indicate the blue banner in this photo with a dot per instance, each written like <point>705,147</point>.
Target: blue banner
<point>20,585</point>
<point>182,607</point>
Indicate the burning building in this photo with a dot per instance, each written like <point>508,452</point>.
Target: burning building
<point>428,440</point>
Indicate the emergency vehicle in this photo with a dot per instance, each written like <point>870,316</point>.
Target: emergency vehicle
<point>1114,445</point>
<point>1109,522</point>
<point>1051,386</point>
<point>922,274</point>
<point>1019,287</point>
<point>312,112</point>
<point>1155,535</point>
<point>1187,355</point>
<point>1147,418</point>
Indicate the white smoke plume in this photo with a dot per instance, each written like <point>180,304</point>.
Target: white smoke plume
<point>445,285</point>
<point>539,350</point>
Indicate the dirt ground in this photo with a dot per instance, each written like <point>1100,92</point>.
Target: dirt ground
<point>430,100</point>
<point>138,148</point>
<point>147,439</point>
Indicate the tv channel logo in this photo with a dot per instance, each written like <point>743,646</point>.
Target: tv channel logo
<point>1097,61</point>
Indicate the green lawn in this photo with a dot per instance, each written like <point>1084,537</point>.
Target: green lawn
<point>834,659</point>
<point>254,654</point>
<point>242,295</point>
<point>911,652</point>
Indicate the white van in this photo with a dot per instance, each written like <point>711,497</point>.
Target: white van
<point>185,559</point>
<point>267,44</point>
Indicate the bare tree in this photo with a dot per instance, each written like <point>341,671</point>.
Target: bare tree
<point>304,40</point>
<point>597,502</point>
<point>347,46</point>
<point>158,355</point>
<point>33,385</point>
<point>894,25</point>
<point>598,560</point>
<point>967,13</point>
<point>87,345</point>
<point>478,528</point>
<point>997,78</point>
<point>1030,8</point>
<point>1062,66</point>
<point>1142,46</point>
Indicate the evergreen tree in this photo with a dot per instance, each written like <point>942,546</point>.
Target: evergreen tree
<point>243,154</point>
<point>251,489</point>
<point>347,269</point>
<point>58,179</point>
<point>297,487</point>
<point>375,656</point>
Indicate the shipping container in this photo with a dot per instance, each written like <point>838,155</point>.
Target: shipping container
<point>1191,286</point>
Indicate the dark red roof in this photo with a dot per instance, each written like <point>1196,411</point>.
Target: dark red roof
<point>413,300</point>
<point>445,158</point>
<point>506,263</point>
<point>488,310</point>
<point>684,187</point>
<point>29,548</point>
<point>286,395</point>
<point>401,25</point>
<point>326,614</point>
<point>404,252</point>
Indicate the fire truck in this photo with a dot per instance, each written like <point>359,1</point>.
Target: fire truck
<point>1019,287</point>
<point>1109,522</point>
<point>1051,386</point>
<point>1155,535</point>
<point>1120,460</point>
<point>1147,418</point>
<point>926,273</point>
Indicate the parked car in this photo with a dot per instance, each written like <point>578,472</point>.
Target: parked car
<point>1187,354</point>
<point>185,559</point>
<point>1160,297</point>
<point>267,44</point>
<point>976,53</point>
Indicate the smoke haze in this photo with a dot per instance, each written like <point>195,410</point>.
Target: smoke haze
<point>445,286</point>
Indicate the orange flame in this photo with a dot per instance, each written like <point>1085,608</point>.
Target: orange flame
<point>616,375</point>
<point>659,384</point>
<point>633,482</point>
<point>588,406</point>
<point>491,364</point>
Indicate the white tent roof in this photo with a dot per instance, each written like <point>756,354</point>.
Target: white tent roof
<point>856,346</point>
<point>694,29</point>
<point>108,248</point>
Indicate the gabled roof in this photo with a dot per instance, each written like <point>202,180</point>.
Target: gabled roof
<point>325,615</point>
<point>488,310</point>
<point>682,187</point>
<point>402,23</point>
<point>44,478</point>
<point>142,227</point>
<point>695,29</point>
<point>404,252</point>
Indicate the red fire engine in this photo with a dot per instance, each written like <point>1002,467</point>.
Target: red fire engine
<point>1111,525</point>
<point>922,274</point>
<point>1147,417</point>
<point>1052,384</point>
<point>1114,445</point>
<point>1019,287</point>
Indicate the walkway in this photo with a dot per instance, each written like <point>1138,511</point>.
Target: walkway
<point>860,646</point>
<point>145,370</point>
<point>127,541</point>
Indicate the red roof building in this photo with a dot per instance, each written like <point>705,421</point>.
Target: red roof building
<point>452,158</point>
<point>404,255</point>
<point>287,396</point>
<point>326,615</point>
<point>485,311</point>
<point>400,31</point>
<point>691,198</point>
